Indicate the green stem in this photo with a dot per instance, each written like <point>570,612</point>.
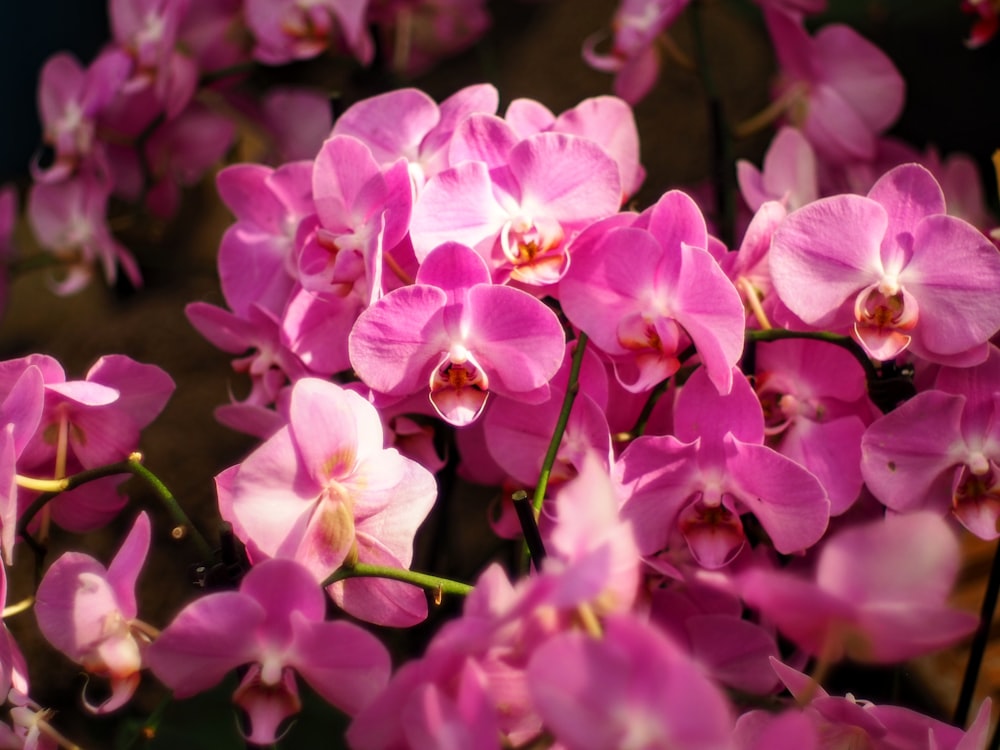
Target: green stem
<point>424,580</point>
<point>131,465</point>
<point>844,342</point>
<point>183,526</point>
<point>572,388</point>
<point>647,408</point>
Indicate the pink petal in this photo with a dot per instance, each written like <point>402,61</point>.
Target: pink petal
<point>207,639</point>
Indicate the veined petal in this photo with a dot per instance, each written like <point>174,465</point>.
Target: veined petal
<point>397,341</point>
<point>788,501</point>
<point>348,666</point>
<point>515,337</point>
<point>905,454</point>
<point>822,254</point>
<point>954,274</point>
<point>323,420</point>
<point>659,475</point>
<point>209,637</point>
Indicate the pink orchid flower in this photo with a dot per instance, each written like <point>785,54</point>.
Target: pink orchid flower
<point>941,449</point>
<point>69,220</point>
<point>644,288</point>
<point>256,255</point>
<point>408,123</point>
<point>20,415</point>
<point>88,612</point>
<point>826,721</point>
<point>86,424</point>
<point>288,30</point>
<point>841,90</point>
<point>361,210</point>
<point>606,120</point>
<point>634,57</point>
<point>631,688</point>
<point>459,336</point>
<point>815,412</point>
<point>147,30</point>
<point>878,595</point>
<point>789,175</point>
<point>892,268</point>
<point>70,101</point>
<point>696,485</point>
<point>518,203</point>
<point>276,624</point>
<point>323,489</point>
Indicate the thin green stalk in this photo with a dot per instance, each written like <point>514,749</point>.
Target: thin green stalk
<point>572,388</point>
<point>177,513</point>
<point>131,465</point>
<point>844,342</point>
<point>432,583</point>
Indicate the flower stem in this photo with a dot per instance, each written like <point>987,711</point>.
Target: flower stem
<point>183,527</point>
<point>979,642</point>
<point>572,388</point>
<point>844,342</point>
<point>131,465</point>
<point>434,584</point>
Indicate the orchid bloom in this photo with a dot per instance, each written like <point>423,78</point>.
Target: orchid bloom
<point>645,288</point>
<point>696,485</point>
<point>88,612</point>
<point>892,268</point>
<point>839,88</point>
<point>518,203</point>
<point>459,336</point>
<point>878,594</point>
<point>323,490</point>
<point>941,449</point>
<point>289,30</point>
<point>276,624</point>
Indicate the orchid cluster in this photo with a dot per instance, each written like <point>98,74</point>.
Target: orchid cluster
<point>712,492</point>
<point>163,101</point>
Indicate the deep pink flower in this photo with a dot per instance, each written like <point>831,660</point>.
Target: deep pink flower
<point>606,120</point>
<point>815,411</point>
<point>822,720</point>
<point>644,288</point>
<point>147,30</point>
<point>276,624</point>
<point>20,414</point>
<point>288,30</point>
<point>789,173</point>
<point>631,688</point>
<point>694,487</point>
<point>842,91</point>
<point>408,123</point>
<point>518,203</point>
<point>458,336</point>
<point>86,424</point>
<point>88,612</point>
<point>634,57</point>
<point>892,268</point>
<point>69,219</point>
<point>941,449</point>
<point>323,488</point>
<point>879,593</point>
<point>70,101</point>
